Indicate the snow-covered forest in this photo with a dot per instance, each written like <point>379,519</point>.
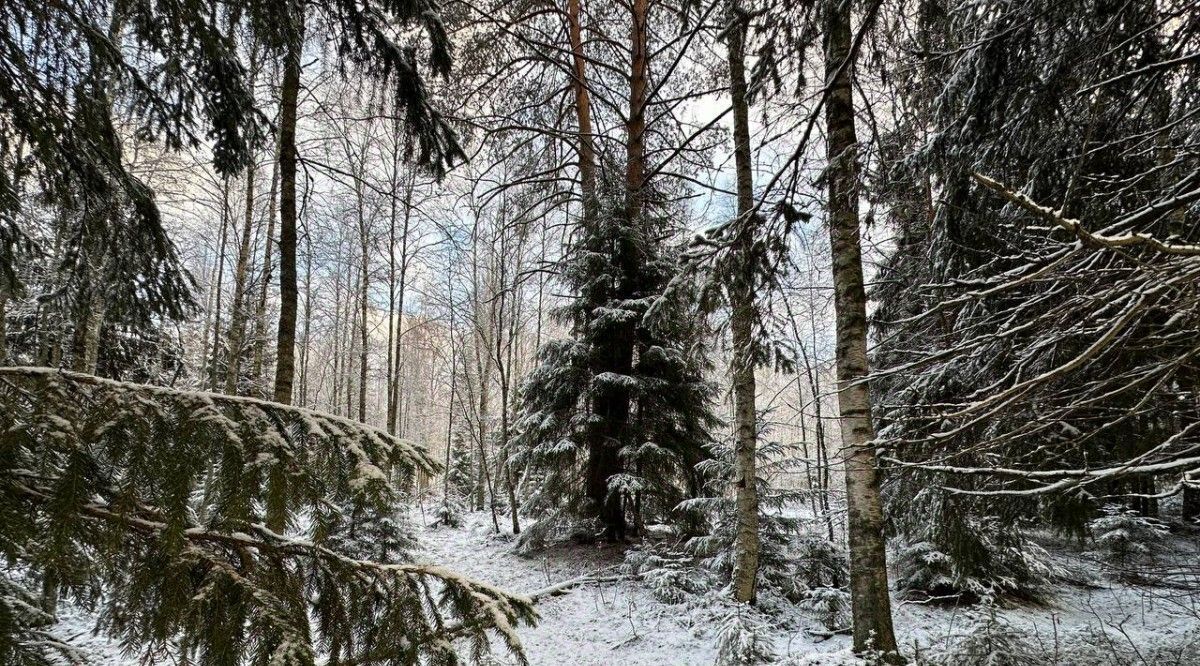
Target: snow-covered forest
<point>556,332</point>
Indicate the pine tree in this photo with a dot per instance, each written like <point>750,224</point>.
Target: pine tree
<point>229,530</point>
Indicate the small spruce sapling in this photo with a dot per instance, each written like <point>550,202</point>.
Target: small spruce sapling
<point>1125,537</point>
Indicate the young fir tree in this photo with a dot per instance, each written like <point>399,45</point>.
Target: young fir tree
<point>224,530</point>
<point>616,417</point>
<point>1019,333</point>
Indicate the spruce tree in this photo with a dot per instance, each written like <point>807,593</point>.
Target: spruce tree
<point>616,417</point>
<point>1019,335</point>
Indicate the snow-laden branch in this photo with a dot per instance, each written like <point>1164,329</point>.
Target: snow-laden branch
<point>1076,227</point>
<point>231,508</point>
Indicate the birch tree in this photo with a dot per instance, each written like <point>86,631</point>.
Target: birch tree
<point>871,604</point>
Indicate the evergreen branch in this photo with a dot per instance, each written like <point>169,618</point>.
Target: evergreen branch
<point>1076,226</point>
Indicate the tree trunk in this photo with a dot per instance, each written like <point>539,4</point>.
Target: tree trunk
<point>306,334</point>
<point>260,312</point>
<point>583,108</point>
<point>484,373</point>
<point>3,329</point>
<point>86,342</point>
<point>97,311</point>
<point>635,128</point>
<point>505,358</point>
<point>336,374</point>
<point>365,284</point>
<point>871,606</point>
<point>285,365</point>
<point>351,317</point>
<point>450,410</point>
<point>221,247</point>
<point>741,325</point>
<point>400,289</point>
<point>237,317</point>
<point>1191,499</point>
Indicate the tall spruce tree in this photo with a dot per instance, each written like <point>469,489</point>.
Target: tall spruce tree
<point>1038,314</point>
<point>615,418</point>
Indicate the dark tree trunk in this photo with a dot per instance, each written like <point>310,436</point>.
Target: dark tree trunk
<point>583,108</point>
<point>1191,500</point>
<point>285,365</point>
<point>635,128</point>
<point>364,305</point>
<point>3,330</point>
<point>398,301</point>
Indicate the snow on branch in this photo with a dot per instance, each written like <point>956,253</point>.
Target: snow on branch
<point>213,525</point>
<point>1076,227</point>
<point>1032,383</point>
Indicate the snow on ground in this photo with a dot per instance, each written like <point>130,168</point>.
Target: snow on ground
<point>622,622</point>
<point>76,627</point>
<point>594,625</point>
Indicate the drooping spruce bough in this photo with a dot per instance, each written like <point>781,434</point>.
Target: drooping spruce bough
<point>1037,324</point>
<point>228,529</point>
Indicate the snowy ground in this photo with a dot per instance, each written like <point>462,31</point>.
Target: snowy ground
<point>592,625</point>
<point>622,622</point>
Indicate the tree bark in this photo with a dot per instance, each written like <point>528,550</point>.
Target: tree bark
<point>365,285</point>
<point>3,329</point>
<point>237,317</point>
<point>635,129</point>
<point>260,312</point>
<point>1191,499</point>
<point>400,289</point>
<point>453,391</point>
<point>86,343</point>
<point>505,355</point>
<point>219,291</point>
<point>285,365</point>
<point>306,331</point>
<point>741,325</point>
<point>484,372</point>
<point>583,108</point>
<point>871,605</point>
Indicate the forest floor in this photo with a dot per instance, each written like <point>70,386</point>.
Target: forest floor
<point>620,620</point>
